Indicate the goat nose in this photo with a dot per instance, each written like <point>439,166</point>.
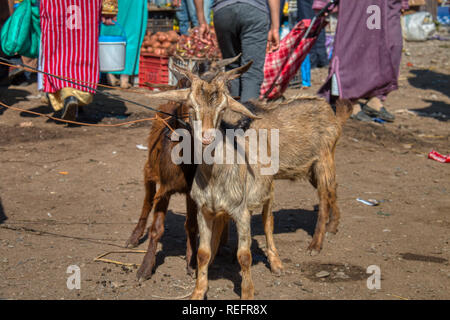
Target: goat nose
<point>208,136</point>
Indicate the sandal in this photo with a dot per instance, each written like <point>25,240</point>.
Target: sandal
<point>382,114</point>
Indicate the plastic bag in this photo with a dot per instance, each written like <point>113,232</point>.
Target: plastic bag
<point>21,32</point>
<point>418,26</point>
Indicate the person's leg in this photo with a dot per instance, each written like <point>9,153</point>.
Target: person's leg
<point>375,106</point>
<point>225,23</point>
<point>112,80</point>
<point>183,17</point>
<point>125,81</point>
<point>192,13</point>
<point>254,29</point>
<point>67,100</point>
<point>318,53</point>
<point>207,5</point>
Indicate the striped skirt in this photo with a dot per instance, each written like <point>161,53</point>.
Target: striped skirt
<point>69,44</point>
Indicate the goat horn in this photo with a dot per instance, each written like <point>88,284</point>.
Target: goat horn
<point>234,73</point>
<point>224,62</point>
<point>183,71</point>
<point>240,108</point>
<point>179,95</point>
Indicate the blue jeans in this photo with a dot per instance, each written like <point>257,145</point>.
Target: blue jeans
<point>318,53</point>
<point>187,14</point>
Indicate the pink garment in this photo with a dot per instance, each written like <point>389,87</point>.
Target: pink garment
<point>319,4</point>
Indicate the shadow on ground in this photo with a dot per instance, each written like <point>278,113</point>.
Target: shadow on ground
<point>12,96</point>
<point>225,265</point>
<point>3,216</point>
<point>428,79</point>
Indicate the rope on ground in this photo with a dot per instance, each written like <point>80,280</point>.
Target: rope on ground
<point>41,232</point>
<point>173,298</point>
<point>89,124</point>
<point>101,259</point>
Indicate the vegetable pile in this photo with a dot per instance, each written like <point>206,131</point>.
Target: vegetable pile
<point>160,43</point>
<point>193,46</point>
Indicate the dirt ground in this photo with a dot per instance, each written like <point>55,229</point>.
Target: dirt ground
<point>68,195</point>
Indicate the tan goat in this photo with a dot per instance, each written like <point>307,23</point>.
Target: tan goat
<point>308,133</point>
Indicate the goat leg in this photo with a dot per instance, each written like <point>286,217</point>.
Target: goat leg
<point>191,228</point>
<point>138,232</point>
<point>244,255</point>
<point>335,212</point>
<point>316,244</point>
<point>155,232</point>
<point>205,223</point>
<point>220,225</point>
<point>275,263</point>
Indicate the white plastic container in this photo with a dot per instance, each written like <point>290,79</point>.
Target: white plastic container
<point>112,52</point>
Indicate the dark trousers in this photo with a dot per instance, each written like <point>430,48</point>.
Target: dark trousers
<point>318,53</point>
<point>243,28</point>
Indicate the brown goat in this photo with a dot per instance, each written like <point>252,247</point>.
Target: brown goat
<point>172,178</point>
<point>309,131</point>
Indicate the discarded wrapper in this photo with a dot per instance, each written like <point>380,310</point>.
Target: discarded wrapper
<point>438,157</point>
<point>141,147</point>
<point>370,202</point>
<point>378,120</point>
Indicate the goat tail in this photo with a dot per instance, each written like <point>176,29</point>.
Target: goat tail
<point>344,109</point>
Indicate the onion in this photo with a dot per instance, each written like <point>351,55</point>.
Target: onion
<point>162,37</point>
<point>154,38</point>
<point>166,44</point>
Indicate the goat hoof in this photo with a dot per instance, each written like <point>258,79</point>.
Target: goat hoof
<point>198,296</point>
<point>130,245</point>
<point>313,252</point>
<point>331,232</point>
<point>277,272</point>
<point>133,241</point>
<point>190,272</point>
<point>276,267</point>
<point>144,274</point>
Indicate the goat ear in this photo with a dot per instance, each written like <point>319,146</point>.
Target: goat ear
<point>172,95</point>
<point>184,72</point>
<point>240,108</point>
<point>237,72</point>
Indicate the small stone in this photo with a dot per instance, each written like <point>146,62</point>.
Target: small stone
<point>341,275</point>
<point>322,274</point>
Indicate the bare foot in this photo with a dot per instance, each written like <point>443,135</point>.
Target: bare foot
<point>124,81</point>
<point>112,80</point>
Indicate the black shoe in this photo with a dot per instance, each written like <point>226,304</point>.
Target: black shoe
<point>382,114</point>
<point>361,116</point>
<point>70,110</point>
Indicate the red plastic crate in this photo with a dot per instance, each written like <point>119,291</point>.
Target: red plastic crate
<point>153,69</point>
